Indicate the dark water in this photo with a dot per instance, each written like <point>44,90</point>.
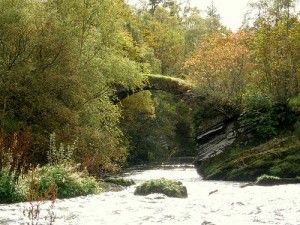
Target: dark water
<point>209,202</point>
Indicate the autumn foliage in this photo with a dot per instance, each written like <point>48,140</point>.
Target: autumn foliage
<point>260,59</point>
<point>15,151</point>
<point>221,66</point>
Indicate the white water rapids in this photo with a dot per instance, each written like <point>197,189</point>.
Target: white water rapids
<point>208,202</point>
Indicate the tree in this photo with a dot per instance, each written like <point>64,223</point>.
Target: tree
<point>220,67</point>
<point>198,28</point>
<point>37,69</point>
<point>164,34</point>
<point>195,29</point>
<point>213,18</point>
<point>60,63</point>
<point>277,46</point>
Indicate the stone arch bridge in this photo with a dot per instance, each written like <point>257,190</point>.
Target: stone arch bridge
<point>176,86</point>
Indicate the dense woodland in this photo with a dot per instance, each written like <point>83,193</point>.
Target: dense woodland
<point>62,63</point>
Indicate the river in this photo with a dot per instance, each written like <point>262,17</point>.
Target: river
<point>208,202</point>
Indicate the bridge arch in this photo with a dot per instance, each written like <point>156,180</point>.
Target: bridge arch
<point>175,86</point>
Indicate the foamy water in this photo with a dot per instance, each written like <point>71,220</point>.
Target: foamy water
<point>208,202</point>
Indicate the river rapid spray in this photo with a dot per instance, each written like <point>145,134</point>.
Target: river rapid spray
<point>208,202</point>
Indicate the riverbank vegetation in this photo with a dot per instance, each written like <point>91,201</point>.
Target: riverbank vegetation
<point>258,84</point>
<point>278,157</point>
<point>59,178</point>
<point>63,63</point>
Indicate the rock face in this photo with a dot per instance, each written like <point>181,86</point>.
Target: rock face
<point>217,138</point>
<point>213,141</point>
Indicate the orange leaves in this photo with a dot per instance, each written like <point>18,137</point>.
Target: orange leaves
<point>15,151</point>
<point>220,64</point>
<point>218,53</point>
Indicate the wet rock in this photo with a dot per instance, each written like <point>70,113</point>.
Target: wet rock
<point>207,223</point>
<point>238,203</point>
<point>156,196</point>
<point>247,185</point>
<point>110,187</point>
<point>213,192</point>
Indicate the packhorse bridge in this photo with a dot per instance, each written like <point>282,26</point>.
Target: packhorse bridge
<point>176,86</point>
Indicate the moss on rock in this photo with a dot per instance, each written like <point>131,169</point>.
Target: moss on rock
<point>277,157</point>
<point>266,180</point>
<point>170,188</point>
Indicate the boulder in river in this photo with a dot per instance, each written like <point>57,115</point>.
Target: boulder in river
<point>170,188</point>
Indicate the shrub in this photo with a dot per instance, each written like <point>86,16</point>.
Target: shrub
<point>269,121</point>
<point>297,129</point>
<point>15,151</point>
<point>61,155</point>
<point>69,181</point>
<point>168,187</point>
<point>9,191</point>
<point>288,167</point>
<point>255,99</point>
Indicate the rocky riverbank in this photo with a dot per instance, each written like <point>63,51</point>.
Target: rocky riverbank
<point>229,151</point>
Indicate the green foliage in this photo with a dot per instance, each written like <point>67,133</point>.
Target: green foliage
<point>209,111</point>
<point>297,129</point>
<point>60,63</point>
<point>61,155</point>
<point>276,44</point>
<point>163,32</point>
<point>269,121</point>
<point>158,126</point>
<point>266,94</point>
<point>67,179</point>
<point>168,187</point>
<point>294,102</point>
<point>288,167</point>
<point>9,190</point>
<point>254,99</point>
